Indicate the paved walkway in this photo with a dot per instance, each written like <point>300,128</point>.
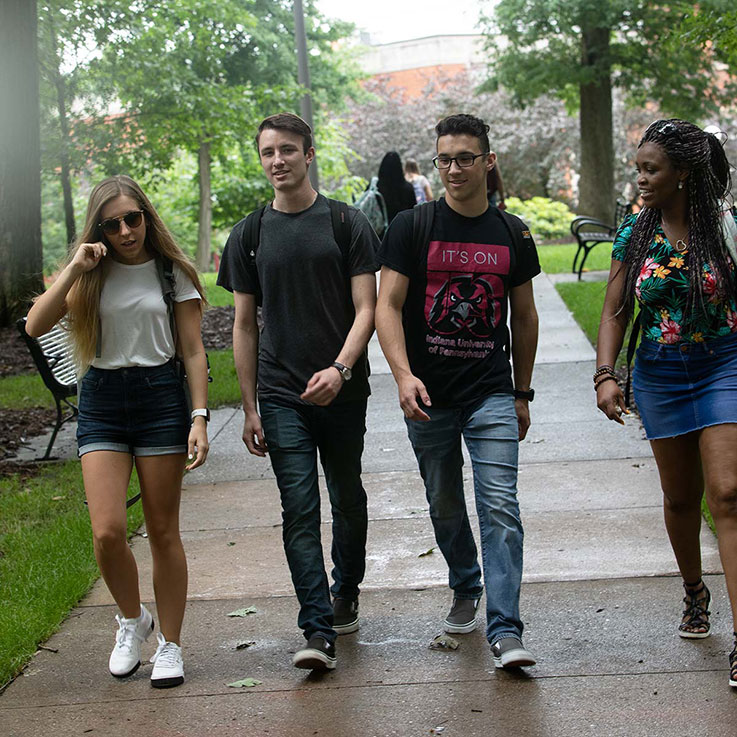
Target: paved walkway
<point>600,601</point>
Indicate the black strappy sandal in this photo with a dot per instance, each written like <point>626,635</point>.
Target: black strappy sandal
<point>733,664</point>
<point>696,614</point>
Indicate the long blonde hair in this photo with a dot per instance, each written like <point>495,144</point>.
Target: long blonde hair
<point>83,299</point>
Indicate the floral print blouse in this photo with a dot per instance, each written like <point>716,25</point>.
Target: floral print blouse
<point>662,290</point>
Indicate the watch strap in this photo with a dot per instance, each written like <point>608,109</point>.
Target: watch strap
<point>201,412</point>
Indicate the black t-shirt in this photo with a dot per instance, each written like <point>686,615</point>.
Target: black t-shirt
<point>307,307</point>
<point>455,314</point>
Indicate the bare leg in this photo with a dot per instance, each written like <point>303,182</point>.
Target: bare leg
<point>161,486</point>
<point>719,458</point>
<point>681,478</point>
<point>106,477</point>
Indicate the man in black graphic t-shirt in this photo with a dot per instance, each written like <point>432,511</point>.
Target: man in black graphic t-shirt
<point>442,321</point>
<point>318,298</point>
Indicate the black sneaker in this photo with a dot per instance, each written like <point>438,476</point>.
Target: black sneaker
<point>317,654</point>
<point>345,616</point>
<point>462,616</point>
<point>509,652</point>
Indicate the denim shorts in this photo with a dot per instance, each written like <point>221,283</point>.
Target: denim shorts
<point>685,387</point>
<point>139,410</point>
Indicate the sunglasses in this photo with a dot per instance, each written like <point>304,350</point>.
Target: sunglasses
<point>132,219</point>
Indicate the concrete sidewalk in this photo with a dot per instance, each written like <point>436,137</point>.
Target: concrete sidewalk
<point>600,599</point>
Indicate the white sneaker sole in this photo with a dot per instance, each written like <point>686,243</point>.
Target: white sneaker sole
<point>459,629</point>
<point>517,658</point>
<point>311,659</point>
<point>694,635</point>
<point>346,629</point>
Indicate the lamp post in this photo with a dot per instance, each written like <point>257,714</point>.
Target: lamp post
<point>303,77</point>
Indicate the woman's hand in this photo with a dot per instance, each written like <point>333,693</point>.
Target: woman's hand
<point>88,256</point>
<point>197,444</point>
<point>610,400</point>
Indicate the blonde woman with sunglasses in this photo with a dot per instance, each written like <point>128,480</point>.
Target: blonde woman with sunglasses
<point>132,406</point>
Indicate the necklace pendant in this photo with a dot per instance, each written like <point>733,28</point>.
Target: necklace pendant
<point>681,246</point>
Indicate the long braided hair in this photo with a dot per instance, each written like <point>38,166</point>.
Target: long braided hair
<point>707,185</point>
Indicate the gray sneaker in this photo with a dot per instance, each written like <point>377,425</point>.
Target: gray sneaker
<point>509,652</point>
<point>462,616</point>
<point>345,616</point>
<point>317,654</point>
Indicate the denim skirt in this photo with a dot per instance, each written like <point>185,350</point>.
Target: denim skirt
<point>685,387</point>
<point>139,410</point>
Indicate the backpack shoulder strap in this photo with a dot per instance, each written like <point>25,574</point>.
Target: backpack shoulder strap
<point>165,272</point>
<point>252,232</point>
<point>341,230</point>
<point>423,216</point>
<point>516,229</point>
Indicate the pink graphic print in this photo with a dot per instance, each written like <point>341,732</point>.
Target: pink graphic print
<point>463,289</point>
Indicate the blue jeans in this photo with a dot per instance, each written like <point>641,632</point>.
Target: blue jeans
<point>489,428</point>
<point>295,435</point>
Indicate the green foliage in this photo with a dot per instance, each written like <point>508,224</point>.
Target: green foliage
<point>558,259</point>
<point>224,390</point>
<point>24,392</point>
<point>216,296</point>
<point>547,219</point>
<point>46,559</point>
<point>552,47</point>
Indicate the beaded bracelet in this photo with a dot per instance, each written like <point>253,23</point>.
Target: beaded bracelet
<point>603,369</point>
<point>608,377</point>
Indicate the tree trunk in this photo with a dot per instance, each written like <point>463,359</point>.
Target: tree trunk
<point>596,186</point>
<point>66,184</point>
<point>203,233</point>
<point>21,253</point>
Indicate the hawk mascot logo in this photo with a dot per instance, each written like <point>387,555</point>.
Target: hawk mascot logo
<point>465,302</point>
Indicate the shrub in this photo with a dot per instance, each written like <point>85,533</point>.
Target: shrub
<point>547,219</point>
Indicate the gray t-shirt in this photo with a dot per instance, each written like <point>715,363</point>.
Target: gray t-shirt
<point>307,306</point>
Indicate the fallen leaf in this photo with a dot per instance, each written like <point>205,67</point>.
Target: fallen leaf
<point>243,612</point>
<point>57,498</point>
<point>427,552</point>
<point>230,544</point>
<point>245,683</point>
<point>444,641</point>
<point>244,645</point>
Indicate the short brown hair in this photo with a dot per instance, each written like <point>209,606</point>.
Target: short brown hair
<point>287,122</point>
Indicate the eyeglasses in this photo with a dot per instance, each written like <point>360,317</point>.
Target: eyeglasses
<point>132,219</point>
<point>464,160</point>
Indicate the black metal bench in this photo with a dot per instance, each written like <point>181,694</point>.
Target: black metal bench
<point>589,232</point>
<point>52,354</point>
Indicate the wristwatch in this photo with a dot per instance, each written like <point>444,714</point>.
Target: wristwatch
<point>529,395</point>
<point>201,413</point>
<point>345,372</point>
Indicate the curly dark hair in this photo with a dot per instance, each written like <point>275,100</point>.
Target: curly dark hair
<point>463,124</point>
<point>707,185</point>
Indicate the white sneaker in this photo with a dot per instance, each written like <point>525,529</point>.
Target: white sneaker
<point>168,664</point>
<point>126,655</point>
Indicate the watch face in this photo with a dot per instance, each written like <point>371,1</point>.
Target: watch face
<point>347,373</point>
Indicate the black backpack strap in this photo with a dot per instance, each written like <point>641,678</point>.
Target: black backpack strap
<point>342,232</point>
<point>631,346</point>
<point>165,272</point>
<point>423,216</point>
<point>250,240</point>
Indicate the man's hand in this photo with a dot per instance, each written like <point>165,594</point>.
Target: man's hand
<point>410,389</point>
<point>253,435</point>
<point>323,387</point>
<point>522,408</point>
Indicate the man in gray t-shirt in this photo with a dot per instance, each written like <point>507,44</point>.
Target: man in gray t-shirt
<point>318,289</point>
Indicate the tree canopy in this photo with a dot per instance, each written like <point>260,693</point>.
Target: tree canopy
<point>579,49</point>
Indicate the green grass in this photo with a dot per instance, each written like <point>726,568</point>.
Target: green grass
<point>557,259</point>
<point>224,389</point>
<point>46,560</point>
<point>217,296</point>
<point>23,392</point>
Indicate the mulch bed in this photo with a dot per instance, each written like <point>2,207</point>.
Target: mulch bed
<point>17,426</point>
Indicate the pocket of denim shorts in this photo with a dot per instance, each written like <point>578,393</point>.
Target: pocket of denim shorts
<point>91,384</point>
<point>162,381</point>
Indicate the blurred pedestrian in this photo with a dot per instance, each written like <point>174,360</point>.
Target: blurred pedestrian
<point>397,192</point>
<point>423,191</point>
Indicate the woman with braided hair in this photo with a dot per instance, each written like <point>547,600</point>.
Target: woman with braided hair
<point>674,259</point>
